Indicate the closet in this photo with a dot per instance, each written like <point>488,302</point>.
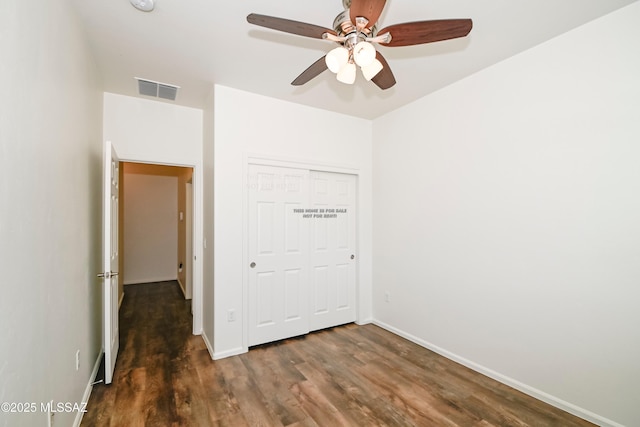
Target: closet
<point>302,251</point>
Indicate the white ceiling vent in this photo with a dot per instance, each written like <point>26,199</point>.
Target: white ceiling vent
<point>157,89</point>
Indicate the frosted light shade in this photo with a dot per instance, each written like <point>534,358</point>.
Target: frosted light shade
<point>364,53</point>
<point>336,59</point>
<point>347,74</point>
<point>371,70</point>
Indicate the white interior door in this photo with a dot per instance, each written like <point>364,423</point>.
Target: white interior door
<point>333,250</point>
<point>110,260</point>
<point>278,254</point>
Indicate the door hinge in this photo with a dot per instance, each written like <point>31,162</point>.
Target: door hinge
<point>108,274</point>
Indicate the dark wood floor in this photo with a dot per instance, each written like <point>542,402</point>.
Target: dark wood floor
<point>345,376</point>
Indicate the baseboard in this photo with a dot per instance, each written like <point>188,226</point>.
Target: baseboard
<point>182,288</point>
<point>229,353</point>
<point>87,391</point>
<point>363,322</point>
<point>207,343</point>
<point>149,280</point>
<point>220,355</point>
<point>526,389</point>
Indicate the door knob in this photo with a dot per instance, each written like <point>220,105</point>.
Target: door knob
<point>252,265</point>
<point>353,256</point>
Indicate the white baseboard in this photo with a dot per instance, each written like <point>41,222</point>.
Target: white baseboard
<point>531,391</point>
<point>221,355</point>
<point>229,353</point>
<point>207,343</point>
<point>87,391</point>
<point>149,280</point>
<point>364,321</point>
<point>182,288</point>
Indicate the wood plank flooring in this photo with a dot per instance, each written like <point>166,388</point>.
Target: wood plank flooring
<point>344,376</point>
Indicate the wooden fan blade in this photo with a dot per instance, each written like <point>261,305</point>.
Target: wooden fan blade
<point>370,9</point>
<point>384,79</point>
<point>313,71</point>
<point>412,33</point>
<point>289,26</point>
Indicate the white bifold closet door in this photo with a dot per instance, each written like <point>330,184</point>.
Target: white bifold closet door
<point>302,234</point>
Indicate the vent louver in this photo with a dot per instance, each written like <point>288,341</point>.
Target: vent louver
<point>157,89</point>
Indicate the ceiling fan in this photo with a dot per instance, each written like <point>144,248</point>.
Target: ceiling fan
<point>355,30</point>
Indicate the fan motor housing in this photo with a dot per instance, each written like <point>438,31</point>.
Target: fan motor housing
<point>344,27</point>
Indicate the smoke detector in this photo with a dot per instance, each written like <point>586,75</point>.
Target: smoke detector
<point>143,5</point>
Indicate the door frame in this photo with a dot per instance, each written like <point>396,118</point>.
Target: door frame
<point>197,237</point>
<point>286,162</point>
<point>188,218</point>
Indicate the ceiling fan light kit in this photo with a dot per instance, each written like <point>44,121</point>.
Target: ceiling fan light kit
<point>341,62</point>
<point>355,32</point>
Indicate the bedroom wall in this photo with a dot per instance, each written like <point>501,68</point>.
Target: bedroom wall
<point>251,124</point>
<point>506,220</point>
<point>152,131</point>
<point>50,217</point>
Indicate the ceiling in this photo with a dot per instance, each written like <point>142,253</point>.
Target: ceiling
<point>195,44</point>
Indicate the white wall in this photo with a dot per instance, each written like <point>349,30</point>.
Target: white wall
<point>247,124</point>
<point>151,228</point>
<point>208,246</point>
<point>149,131</point>
<point>506,220</point>
<point>50,217</point>
<point>153,131</point>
